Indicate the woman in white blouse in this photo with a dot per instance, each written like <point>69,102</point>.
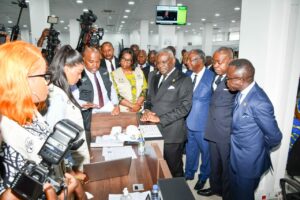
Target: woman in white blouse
<point>66,68</point>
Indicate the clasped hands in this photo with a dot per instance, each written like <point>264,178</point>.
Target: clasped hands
<point>149,116</point>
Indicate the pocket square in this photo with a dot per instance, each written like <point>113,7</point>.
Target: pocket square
<point>171,87</point>
<point>225,89</point>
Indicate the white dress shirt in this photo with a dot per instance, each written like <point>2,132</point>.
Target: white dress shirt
<point>108,64</point>
<point>214,84</point>
<point>246,91</point>
<point>162,77</point>
<point>108,105</point>
<point>199,77</point>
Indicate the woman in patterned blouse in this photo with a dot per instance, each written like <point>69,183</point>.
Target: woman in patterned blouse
<point>130,84</point>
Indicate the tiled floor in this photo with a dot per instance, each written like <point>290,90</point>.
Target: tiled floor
<point>197,196</point>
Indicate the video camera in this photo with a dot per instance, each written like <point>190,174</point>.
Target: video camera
<point>28,184</point>
<point>89,36</point>
<point>52,41</point>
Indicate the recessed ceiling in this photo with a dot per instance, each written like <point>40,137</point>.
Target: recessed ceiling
<point>111,13</point>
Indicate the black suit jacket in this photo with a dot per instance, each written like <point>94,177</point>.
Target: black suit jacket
<point>103,63</point>
<point>86,93</point>
<point>146,70</point>
<point>219,120</point>
<point>171,103</point>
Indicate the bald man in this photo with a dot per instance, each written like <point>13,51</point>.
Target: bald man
<point>110,62</point>
<point>95,92</point>
<point>254,131</point>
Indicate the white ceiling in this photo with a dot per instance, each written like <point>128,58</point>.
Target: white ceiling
<point>110,14</point>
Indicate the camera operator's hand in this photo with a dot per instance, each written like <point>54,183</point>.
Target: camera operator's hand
<point>50,192</point>
<point>8,195</point>
<point>74,187</point>
<point>45,34</point>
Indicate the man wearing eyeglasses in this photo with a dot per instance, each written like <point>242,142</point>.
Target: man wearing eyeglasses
<point>254,130</point>
<point>218,127</point>
<point>202,79</point>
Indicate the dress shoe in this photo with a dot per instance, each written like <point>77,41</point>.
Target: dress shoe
<point>189,178</point>
<point>199,185</point>
<point>206,192</point>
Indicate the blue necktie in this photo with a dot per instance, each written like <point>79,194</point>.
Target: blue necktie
<point>237,100</point>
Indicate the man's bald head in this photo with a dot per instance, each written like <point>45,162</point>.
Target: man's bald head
<point>91,58</point>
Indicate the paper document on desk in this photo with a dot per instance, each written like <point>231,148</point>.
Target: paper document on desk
<point>134,196</point>
<point>113,153</point>
<point>107,141</point>
<point>150,131</point>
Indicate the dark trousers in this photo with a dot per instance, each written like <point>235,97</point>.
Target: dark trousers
<point>243,188</point>
<point>195,145</point>
<point>173,155</point>
<point>220,169</point>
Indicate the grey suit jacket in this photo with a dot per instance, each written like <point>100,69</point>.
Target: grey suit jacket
<point>219,119</point>
<point>171,103</point>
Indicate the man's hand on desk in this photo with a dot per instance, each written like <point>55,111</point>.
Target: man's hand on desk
<point>116,110</point>
<point>149,116</point>
<point>89,105</point>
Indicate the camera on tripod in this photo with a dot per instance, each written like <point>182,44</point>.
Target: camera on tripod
<point>52,41</point>
<point>28,184</point>
<point>89,35</point>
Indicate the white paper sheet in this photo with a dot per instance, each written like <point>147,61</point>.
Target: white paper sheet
<point>113,153</point>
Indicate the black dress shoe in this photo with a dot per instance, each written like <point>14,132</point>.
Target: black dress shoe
<point>206,192</point>
<point>189,178</point>
<point>199,185</point>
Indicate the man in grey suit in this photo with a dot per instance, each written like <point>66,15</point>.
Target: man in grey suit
<point>170,99</point>
<point>218,127</point>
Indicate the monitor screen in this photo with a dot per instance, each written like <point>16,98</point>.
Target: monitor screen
<point>171,15</point>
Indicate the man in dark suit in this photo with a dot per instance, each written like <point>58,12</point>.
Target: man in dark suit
<point>196,120</point>
<point>110,62</point>
<point>218,127</point>
<point>209,63</point>
<point>92,98</point>
<point>170,99</point>
<point>142,63</point>
<point>254,130</point>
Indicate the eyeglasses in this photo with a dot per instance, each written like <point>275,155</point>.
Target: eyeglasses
<point>235,78</point>
<point>127,60</point>
<point>46,76</point>
<point>193,60</point>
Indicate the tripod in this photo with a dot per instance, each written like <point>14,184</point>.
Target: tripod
<point>16,29</point>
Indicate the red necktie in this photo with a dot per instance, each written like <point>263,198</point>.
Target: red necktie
<point>112,65</point>
<point>100,96</point>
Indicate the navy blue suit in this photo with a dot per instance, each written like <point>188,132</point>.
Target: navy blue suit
<point>218,131</point>
<point>254,133</point>
<point>196,123</point>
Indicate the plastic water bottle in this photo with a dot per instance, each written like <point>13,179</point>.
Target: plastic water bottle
<point>155,193</point>
<point>126,195</point>
<point>141,147</point>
